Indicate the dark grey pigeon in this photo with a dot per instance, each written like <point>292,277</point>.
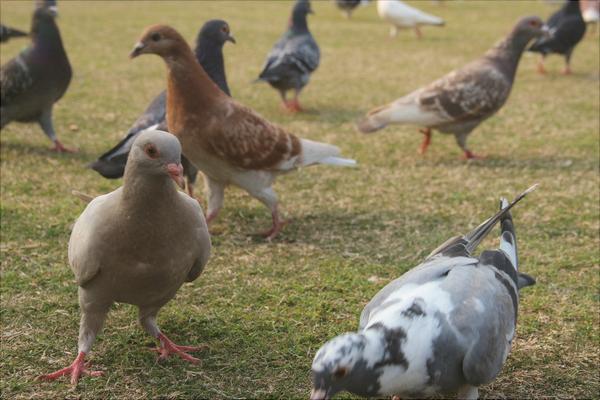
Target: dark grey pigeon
<point>445,327</point>
<point>6,33</point>
<point>566,29</point>
<point>293,58</point>
<point>348,6</point>
<point>209,53</point>
<point>458,102</point>
<point>37,78</point>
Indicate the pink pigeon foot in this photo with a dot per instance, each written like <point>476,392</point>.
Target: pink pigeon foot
<point>540,68</point>
<point>59,148</point>
<point>275,229</point>
<point>566,71</point>
<point>293,106</point>
<point>76,369</point>
<point>469,155</point>
<point>168,347</point>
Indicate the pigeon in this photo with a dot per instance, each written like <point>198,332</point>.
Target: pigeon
<point>293,59</point>
<point>590,11</point>
<point>444,327</point>
<point>6,33</point>
<point>348,6</point>
<point>37,78</point>
<point>228,142</point>
<point>566,28</point>
<point>209,53</point>
<point>137,245</point>
<point>401,15</point>
<point>458,102</point>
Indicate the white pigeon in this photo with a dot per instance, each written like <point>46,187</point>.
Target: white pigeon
<point>401,15</point>
<point>445,327</point>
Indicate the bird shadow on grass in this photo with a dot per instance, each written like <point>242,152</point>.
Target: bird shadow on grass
<point>533,163</point>
<point>25,149</point>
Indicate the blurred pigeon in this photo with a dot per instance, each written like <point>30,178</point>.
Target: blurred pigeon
<point>348,6</point>
<point>566,28</point>
<point>209,53</point>
<point>137,245</point>
<point>228,142</point>
<point>458,102</point>
<point>293,58</point>
<point>37,78</point>
<point>446,326</point>
<point>6,33</point>
<point>401,15</point>
<point>590,11</point>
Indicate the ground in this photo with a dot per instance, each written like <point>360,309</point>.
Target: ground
<point>265,308</point>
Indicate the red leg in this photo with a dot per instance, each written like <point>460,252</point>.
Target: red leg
<point>426,140</point>
<point>566,71</point>
<point>76,369</point>
<point>294,106</point>
<point>469,155</point>
<point>540,67</point>
<point>168,347</point>
<point>418,32</point>
<point>59,148</point>
<point>277,226</point>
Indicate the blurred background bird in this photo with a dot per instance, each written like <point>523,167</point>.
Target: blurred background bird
<point>293,58</point>
<point>348,6</point>
<point>209,52</point>
<point>566,28</point>
<point>7,33</point>
<point>402,16</point>
<point>32,82</point>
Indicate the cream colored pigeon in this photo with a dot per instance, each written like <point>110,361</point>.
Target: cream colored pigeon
<point>137,245</point>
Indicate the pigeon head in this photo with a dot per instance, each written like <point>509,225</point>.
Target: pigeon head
<point>43,24</point>
<point>342,364</point>
<point>216,31</point>
<point>157,153</point>
<point>529,28</point>
<point>48,5</point>
<point>298,19</point>
<point>161,40</point>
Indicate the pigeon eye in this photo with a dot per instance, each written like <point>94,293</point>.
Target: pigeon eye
<point>340,373</point>
<point>155,37</point>
<point>225,29</point>
<point>151,151</point>
<point>533,23</point>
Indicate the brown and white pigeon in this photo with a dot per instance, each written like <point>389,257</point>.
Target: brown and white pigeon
<point>228,142</point>
<point>138,245</point>
<point>458,102</point>
<point>37,78</point>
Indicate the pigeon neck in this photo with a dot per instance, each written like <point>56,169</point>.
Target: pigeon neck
<point>47,39</point>
<point>572,7</point>
<point>210,57</point>
<point>298,23</point>
<point>508,52</point>
<point>146,189</point>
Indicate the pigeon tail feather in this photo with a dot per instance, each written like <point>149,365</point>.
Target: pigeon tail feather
<point>478,234</point>
<point>339,161</point>
<point>318,153</point>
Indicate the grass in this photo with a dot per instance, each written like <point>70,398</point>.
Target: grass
<point>265,308</point>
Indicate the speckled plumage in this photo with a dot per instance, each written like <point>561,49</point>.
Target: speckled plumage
<point>209,53</point>
<point>459,101</point>
<point>445,327</point>
<point>38,77</point>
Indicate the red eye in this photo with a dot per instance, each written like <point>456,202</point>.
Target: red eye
<point>225,29</point>
<point>151,151</point>
<point>534,24</point>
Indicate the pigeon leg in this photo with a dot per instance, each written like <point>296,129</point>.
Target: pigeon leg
<point>215,192</point>
<point>468,392</point>
<point>45,122</point>
<point>418,32</point>
<point>393,31</point>
<point>285,105</point>
<point>567,69</point>
<point>147,319</point>
<point>469,155</point>
<point>294,105</point>
<point>190,172</point>
<point>540,66</point>
<point>426,140</point>
<point>461,140</point>
<point>92,319</point>
<point>269,198</point>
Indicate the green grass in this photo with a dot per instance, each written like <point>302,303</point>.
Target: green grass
<point>265,308</point>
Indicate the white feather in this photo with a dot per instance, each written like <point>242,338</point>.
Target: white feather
<point>404,16</point>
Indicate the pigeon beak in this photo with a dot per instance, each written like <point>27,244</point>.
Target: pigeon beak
<point>176,173</point>
<point>318,394</point>
<point>231,39</point>
<point>137,50</point>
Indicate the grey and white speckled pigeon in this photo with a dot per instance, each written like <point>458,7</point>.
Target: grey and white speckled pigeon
<point>209,53</point>
<point>445,327</point>
<point>37,78</point>
<point>458,102</point>
<point>7,33</point>
<point>137,245</point>
<point>293,58</point>
<point>348,6</point>
<point>566,28</point>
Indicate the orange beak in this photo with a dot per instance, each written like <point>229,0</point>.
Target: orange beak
<point>176,173</point>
